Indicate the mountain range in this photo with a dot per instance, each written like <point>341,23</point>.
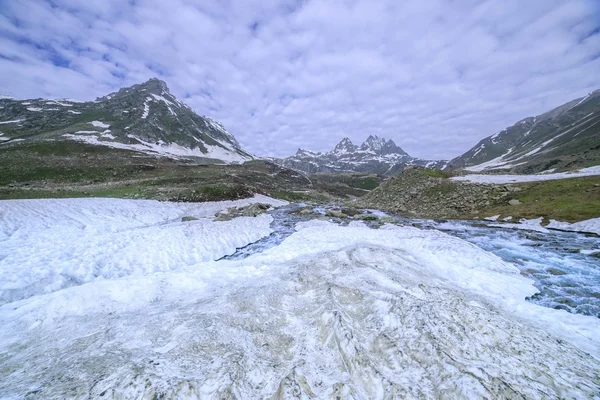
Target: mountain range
<point>143,118</point>
<point>146,118</point>
<point>564,138</point>
<point>374,155</point>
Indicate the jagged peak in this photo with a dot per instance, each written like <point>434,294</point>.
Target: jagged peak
<point>155,84</point>
<point>374,143</point>
<point>151,86</point>
<point>345,145</point>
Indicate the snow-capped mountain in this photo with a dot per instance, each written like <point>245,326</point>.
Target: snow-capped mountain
<point>375,155</point>
<point>565,137</point>
<point>144,118</point>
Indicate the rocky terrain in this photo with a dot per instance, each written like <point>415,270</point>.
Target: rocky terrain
<point>562,139</point>
<point>421,192</point>
<point>428,193</point>
<point>376,155</point>
<point>144,118</point>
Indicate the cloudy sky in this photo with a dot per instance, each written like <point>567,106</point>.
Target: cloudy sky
<point>434,75</point>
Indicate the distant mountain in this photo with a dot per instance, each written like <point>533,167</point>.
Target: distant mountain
<point>144,118</point>
<point>563,138</point>
<point>375,155</point>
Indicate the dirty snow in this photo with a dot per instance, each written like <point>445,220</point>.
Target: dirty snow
<point>332,312</point>
<point>502,179</point>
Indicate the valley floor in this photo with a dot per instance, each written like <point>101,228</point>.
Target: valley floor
<point>106,298</point>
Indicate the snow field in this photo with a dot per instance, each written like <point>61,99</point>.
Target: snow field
<point>503,179</point>
<point>348,312</point>
<point>47,245</point>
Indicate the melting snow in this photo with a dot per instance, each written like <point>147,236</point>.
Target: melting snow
<point>501,179</point>
<point>146,107</point>
<point>74,112</point>
<point>171,149</point>
<point>167,102</point>
<point>347,312</point>
<point>14,121</point>
<point>34,109</point>
<point>590,225</point>
<point>99,124</point>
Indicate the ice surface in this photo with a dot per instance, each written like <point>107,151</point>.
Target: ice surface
<point>502,179</point>
<point>332,312</point>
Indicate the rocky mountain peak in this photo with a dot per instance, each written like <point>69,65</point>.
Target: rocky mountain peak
<point>373,143</point>
<point>390,147</point>
<point>345,146</point>
<point>154,85</point>
<point>144,117</point>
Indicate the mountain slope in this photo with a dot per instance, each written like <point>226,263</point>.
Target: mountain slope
<point>375,155</point>
<point>144,118</point>
<point>561,139</point>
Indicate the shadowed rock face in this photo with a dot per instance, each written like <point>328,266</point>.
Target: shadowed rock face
<point>564,138</point>
<point>144,117</point>
<point>375,155</point>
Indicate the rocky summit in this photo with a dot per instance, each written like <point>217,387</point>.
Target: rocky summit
<point>375,155</point>
<point>143,118</point>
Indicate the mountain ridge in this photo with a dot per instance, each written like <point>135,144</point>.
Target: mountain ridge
<point>375,155</point>
<point>143,117</point>
<point>563,138</point>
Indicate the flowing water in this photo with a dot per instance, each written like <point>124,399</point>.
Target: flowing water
<point>564,265</point>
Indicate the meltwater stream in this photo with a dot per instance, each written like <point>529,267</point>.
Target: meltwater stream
<point>564,265</point>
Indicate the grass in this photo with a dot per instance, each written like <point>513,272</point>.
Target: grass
<point>437,173</point>
<point>58,169</point>
<point>569,200</point>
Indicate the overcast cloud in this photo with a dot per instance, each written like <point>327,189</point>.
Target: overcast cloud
<point>434,75</point>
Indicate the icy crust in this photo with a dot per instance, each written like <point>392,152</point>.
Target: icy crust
<point>333,312</point>
<point>47,245</point>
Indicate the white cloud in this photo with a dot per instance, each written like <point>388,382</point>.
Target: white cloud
<point>435,76</point>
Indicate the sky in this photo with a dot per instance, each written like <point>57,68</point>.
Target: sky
<point>436,76</point>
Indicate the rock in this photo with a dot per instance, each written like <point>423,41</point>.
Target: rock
<point>555,271</point>
<point>351,211</point>
<point>335,214</point>
<point>186,219</point>
<point>252,210</point>
<point>367,217</point>
<point>302,211</point>
<point>514,202</point>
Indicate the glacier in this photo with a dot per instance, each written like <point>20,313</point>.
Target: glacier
<point>331,312</point>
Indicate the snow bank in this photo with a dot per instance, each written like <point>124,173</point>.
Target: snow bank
<point>332,312</point>
<point>502,179</point>
<point>47,245</point>
<point>589,226</point>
